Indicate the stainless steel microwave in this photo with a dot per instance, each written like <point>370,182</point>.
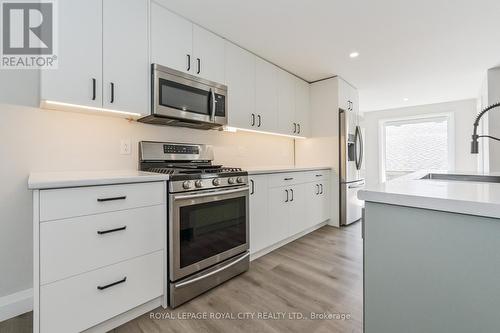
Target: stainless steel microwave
<point>180,99</point>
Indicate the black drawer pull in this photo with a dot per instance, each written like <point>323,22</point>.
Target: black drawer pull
<point>111,199</point>
<point>112,284</point>
<point>288,178</point>
<point>103,232</point>
<point>319,175</point>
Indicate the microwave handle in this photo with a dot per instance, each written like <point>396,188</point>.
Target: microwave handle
<point>212,112</point>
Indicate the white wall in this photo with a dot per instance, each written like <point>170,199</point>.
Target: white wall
<point>464,113</point>
<point>32,139</point>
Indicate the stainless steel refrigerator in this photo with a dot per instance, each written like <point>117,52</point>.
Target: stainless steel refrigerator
<point>350,168</point>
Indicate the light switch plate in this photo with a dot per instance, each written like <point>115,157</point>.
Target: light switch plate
<point>125,147</point>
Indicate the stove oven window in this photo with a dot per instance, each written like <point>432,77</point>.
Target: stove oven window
<point>211,228</point>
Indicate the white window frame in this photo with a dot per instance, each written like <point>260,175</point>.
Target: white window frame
<point>450,117</point>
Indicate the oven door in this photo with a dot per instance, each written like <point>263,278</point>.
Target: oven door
<point>206,228</point>
<point>181,96</point>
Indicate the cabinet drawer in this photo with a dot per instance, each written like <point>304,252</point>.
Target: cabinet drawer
<point>286,179</point>
<point>80,244</point>
<point>70,202</point>
<point>317,175</point>
<point>75,304</point>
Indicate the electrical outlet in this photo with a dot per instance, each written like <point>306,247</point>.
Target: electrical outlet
<point>125,147</point>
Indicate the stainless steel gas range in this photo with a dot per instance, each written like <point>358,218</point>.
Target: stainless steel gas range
<point>207,232</point>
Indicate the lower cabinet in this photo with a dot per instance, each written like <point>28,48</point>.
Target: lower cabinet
<point>98,253</point>
<point>282,208</point>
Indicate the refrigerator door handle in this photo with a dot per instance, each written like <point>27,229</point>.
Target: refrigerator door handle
<point>359,142</point>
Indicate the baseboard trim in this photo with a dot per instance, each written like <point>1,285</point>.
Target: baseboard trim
<point>275,246</point>
<point>16,304</point>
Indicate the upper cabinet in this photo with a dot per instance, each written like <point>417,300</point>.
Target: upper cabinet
<point>286,103</point>
<point>179,44</point>
<point>302,107</point>
<point>110,74</point>
<point>240,81</point>
<point>171,39</point>
<point>208,52</point>
<point>78,79</point>
<point>266,96</point>
<point>348,96</point>
<point>125,68</point>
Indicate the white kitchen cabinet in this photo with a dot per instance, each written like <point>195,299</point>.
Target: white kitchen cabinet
<point>259,213</point>
<point>179,44</point>
<point>286,103</point>
<point>126,65</point>
<point>266,96</point>
<point>297,215</point>
<point>240,81</point>
<point>302,107</point>
<point>279,213</point>
<point>284,206</point>
<point>78,79</point>
<point>171,40</point>
<point>348,96</point>
<point>208,52</point>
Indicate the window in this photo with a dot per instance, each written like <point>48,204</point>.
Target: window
<point>416,143</point>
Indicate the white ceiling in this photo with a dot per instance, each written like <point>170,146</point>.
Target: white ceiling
<point>428,51</point>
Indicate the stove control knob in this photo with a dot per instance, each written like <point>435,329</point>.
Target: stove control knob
<point>240,180</point>
<point>216,182</point>
<point>198,183</point>
<point>186,185</point>
<point>231,180</point>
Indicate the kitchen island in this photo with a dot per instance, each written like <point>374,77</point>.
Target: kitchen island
<point>432,254</point>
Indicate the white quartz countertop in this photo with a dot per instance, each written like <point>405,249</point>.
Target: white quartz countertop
<point>464,197</point>
<point>45,180</point>
<point>266,170</point>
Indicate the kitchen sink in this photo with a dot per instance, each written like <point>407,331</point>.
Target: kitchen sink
<point>463,178</point>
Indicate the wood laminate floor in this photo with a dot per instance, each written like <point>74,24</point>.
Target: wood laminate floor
<point>320,273</point>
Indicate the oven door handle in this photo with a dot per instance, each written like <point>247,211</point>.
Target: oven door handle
<point>218,270</point>
<point>209,194</point>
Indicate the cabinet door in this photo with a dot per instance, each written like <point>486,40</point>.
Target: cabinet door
<point>258,213</point>
<point>344,95</point>
<point>302,107</point>
<point>279,214</point>
<point>286,103</point>
<point>126,69</point>
<point>240,81</point>
<point>208,51</point>
<point>78,80</point>
<point>171,40</point>
<point>266,95</point>
<point>325,206</point>
<point>297,210</point>
<point>314,209</point>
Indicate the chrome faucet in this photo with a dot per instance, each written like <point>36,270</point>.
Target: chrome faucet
<point>475,144</point>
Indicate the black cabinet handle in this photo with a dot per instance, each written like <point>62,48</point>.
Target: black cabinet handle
<point>292,194</point>
<point>103,232</point>
<point>189,62</point>
<point>294,127</point>
<point>111,199</point>
<point>112,93</point>
<point>112,284</point>
<point>94,87</point>
<point>260,120</point>
<point>286,196</point>
<point>321,185</point>
<point>298,126</point>
<point>253,119</point>
<point>290,178</point>
<point>253,187</point>
<point>199,65</point>
<point>318,175</point>
<point>317,189</point>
